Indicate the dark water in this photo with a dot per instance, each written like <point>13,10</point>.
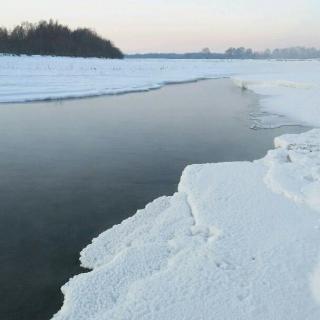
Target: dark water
<point>69,170</point>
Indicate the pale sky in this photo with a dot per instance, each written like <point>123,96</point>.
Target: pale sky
<point>180,25</point>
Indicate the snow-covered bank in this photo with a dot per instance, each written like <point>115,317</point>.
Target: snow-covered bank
<point>291,88</point>
<point>238,240</point>
<point>287,99</point>
<point>43,78</point>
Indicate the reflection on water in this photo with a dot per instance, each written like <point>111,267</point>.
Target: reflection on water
<point>69,170</point>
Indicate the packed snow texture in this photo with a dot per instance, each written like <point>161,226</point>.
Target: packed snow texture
<point>238,240</point>
<point>290,88</point>
<point>294,168</point>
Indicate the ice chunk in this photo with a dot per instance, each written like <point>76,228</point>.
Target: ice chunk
<point>295,167</point>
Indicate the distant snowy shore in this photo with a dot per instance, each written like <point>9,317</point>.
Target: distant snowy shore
<point>291,84</point>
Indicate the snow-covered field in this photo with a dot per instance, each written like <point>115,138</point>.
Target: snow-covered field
<point>238,240</point>
<point>292,85</point>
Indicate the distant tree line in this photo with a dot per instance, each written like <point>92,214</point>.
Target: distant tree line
<point>190,55</point>
<point>239,53</point>
<point>52,38</point>
<point>285,53</point>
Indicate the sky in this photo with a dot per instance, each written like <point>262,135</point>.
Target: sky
<point>180,25</point>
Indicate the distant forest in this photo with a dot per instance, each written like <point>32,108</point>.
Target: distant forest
<point>239,53</point>
<point>52,38</point>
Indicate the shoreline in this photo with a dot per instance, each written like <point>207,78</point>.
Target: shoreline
<point>63,124</point>
<point>101,95</point>
<point>198,235</point>
<point>72,164</point>
<point>58,79</point>
<point>206,231</point>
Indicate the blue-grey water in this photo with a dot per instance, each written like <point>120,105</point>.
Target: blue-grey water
<point>69,170</point>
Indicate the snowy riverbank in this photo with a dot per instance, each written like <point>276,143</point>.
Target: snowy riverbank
<point>238,240</point>
<point>292,85</point>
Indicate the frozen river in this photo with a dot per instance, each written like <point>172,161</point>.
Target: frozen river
<point>69,170</point>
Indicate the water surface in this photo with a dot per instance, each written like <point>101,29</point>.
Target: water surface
<point>69,170</point>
